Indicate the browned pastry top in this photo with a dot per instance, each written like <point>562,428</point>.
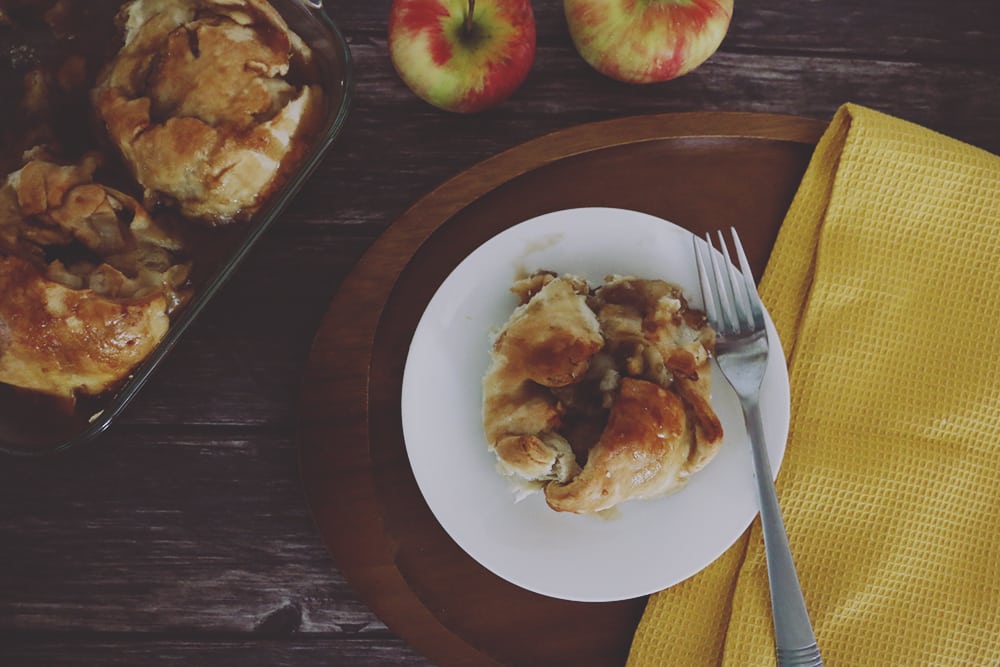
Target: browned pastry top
<point>200,102</point>
<point>88,280</point>
<point>58,340</point>
<point>600,396</point>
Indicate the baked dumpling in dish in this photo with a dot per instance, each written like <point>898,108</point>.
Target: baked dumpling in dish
<point>101,238</point>
<point>87,281</point>
<point>60,341</point>
<point>200,103</point>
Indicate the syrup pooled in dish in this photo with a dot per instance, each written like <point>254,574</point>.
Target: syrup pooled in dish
<point>88,280</point>
<point>201,102</point>
<point>598,396</point>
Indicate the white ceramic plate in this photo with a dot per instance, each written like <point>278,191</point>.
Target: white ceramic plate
<point>646,545</point>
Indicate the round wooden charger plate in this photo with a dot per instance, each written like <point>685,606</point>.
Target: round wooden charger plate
<point>702,171</point>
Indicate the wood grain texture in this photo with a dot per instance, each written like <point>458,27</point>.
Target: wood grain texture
<point>922,31</point>
<point>210,536</point>
<point>218,653</point>
<point>182,536</point>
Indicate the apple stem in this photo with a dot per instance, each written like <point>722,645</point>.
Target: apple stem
<point>468,17</point>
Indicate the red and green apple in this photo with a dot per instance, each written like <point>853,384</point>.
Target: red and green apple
<point>645,41</point>
<point>462,55</point>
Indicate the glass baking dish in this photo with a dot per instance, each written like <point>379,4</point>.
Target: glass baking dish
<point>33,425</point>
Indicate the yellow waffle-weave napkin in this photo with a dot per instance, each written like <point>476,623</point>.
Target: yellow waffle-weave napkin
<point>884,284</point>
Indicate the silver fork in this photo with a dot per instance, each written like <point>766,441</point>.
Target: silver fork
<point>735,312</point>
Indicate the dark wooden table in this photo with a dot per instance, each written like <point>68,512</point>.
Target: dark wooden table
<point>182,535</point>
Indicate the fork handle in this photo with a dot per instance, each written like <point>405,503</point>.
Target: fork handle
<point>795,642</point>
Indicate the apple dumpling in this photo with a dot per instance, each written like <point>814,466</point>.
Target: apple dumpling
<point>202,102</point>
<point>88,278</point>
<point>598,396</point>
<point>58,341</point>
<point>547,342</point>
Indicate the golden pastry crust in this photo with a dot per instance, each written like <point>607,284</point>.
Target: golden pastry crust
<point>122,253</point>
<point>82,323</point>
<point>640,454</point>
<point>601,396</point>
<point>61,341</point>
<point>199,103</point>
<point>656,335</point>
<point>547,342</point>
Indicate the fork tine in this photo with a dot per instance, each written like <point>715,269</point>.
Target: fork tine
<point>722,290</point>
<point>756,307</point>
<point>742,301</point>
<point>707,288</point>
